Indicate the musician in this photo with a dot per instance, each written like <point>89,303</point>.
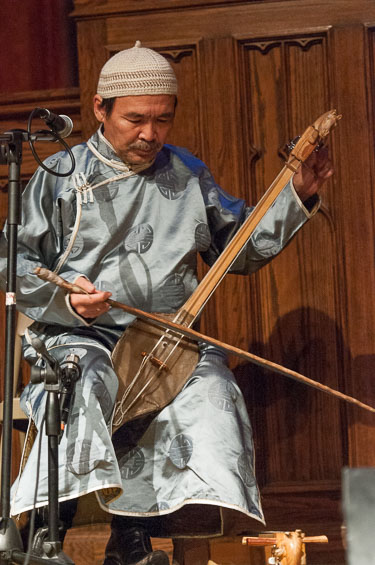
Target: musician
<point>127,225</point>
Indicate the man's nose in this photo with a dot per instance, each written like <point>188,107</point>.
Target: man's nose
<point>148,132</point>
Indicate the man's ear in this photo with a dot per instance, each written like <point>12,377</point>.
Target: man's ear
<point>99,111</point>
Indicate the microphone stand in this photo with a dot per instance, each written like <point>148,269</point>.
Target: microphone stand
<point>11,154</point>
<point>57,379</point>
<point>10,539</point>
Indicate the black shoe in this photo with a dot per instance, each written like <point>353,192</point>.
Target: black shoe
<point>132,546</point>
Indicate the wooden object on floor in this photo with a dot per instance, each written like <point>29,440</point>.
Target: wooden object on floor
<point>280,548</point>
<point>287,548</point>
<point>218,551</point>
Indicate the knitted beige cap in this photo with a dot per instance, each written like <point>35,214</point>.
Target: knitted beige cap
<point>136,71</point>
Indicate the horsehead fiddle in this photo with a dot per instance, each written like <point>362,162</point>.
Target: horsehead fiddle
<point>157,353</point>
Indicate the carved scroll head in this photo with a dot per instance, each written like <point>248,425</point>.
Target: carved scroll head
<point>314,135</point>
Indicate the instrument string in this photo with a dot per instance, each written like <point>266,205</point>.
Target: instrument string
<point>147,361</point>
<point>119,410</point>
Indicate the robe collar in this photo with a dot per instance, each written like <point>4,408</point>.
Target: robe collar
<point>105,152</point>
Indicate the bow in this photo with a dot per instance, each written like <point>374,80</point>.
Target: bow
<point>179,329</point>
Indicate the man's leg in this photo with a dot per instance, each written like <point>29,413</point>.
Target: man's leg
<point>130,543</point>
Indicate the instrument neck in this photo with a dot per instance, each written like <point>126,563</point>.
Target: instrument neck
<point>194,305</point>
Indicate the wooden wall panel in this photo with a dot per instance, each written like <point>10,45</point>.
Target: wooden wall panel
<point>224,315</point>
<point>358,238</point>
<point>277,107</point>
<point>114,7</point>
<point>38,45</point>
<point>281,105</point>
<point>184,57</point>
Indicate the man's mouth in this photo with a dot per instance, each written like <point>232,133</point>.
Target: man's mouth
<point>146,149</point>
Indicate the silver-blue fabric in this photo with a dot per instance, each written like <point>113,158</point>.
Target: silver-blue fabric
<point>138,236</point>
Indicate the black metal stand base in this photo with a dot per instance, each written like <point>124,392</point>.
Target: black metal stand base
<point>11,548</point>
<point>15,556</point>
<point>10,536</point>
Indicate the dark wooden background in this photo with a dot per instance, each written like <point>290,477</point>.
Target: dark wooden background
<point>252,75</point>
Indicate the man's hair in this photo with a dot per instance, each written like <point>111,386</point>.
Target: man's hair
<point>107,104</point>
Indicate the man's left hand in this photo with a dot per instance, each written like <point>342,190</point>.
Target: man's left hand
<point>312,174</point>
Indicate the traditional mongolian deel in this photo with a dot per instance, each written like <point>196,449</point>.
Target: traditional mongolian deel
<point>136,234</point>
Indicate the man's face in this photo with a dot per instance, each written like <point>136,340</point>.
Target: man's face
<point>138,125</point>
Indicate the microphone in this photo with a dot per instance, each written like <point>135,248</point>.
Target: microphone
<point>40,348</point>
<point>59,123</point>
<point>71,372</point>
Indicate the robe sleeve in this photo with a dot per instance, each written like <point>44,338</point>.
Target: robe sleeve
<point>275,230</point>
<point>40,244</point>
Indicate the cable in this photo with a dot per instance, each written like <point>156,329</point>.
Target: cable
<point>32,517</point>
<point>57,138</point>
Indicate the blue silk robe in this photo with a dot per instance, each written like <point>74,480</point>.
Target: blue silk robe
<point>137,234</point>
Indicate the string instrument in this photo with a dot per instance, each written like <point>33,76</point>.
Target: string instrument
<point>156,355</point>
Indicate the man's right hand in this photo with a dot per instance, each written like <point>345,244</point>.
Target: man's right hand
<point>89,305</point>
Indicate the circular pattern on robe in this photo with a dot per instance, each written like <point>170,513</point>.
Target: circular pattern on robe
<point>79,459</point>
<point>139,238</point>
<point>159,506</point>
<point>223,396</point>
<point>202,237</point>
<point>77,245</point>
<point>245,468</point>
<point>169,185</point>
<point>132,463</point>
<point>181,450</point>
<point>173,291</point>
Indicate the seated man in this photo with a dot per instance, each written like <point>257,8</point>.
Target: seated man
<point>128,224</point>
